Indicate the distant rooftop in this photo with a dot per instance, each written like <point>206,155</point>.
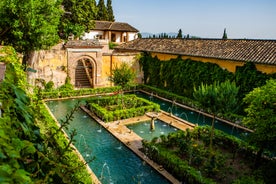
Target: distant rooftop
<point>114,26</point>
<point>257,51</point>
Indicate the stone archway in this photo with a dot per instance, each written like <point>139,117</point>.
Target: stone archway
<point>85,73</point>
<point>84,63</point>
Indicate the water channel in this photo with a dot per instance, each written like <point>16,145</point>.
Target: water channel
<point>193,117</point>
<point>114,163</point>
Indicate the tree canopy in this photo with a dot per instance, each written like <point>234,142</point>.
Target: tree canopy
<point>122,75</point>
<point>29,25</point>
<point>179,35</point>
<point>224,36</point>
<point>217,98</point>
<point>78,17</point>
<point>110,11</point>
<point>102,11</point>
<point>261,116</point>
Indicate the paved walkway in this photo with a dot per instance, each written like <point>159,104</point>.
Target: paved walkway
<point>134,142</point>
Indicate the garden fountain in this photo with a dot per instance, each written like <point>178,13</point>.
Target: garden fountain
<point>105,166</point>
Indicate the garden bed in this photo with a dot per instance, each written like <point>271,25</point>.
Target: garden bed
<point>117,107</point>
<point>188,157</point>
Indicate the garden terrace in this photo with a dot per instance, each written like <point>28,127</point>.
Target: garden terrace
<point>117,107</point>
<point>186,156</point>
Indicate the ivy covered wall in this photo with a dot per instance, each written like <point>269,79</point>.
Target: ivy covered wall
<point>181,76</point>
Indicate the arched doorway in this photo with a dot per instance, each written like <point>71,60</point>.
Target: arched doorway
<point>84,73</point>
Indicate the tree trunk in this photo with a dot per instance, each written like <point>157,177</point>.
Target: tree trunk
<point>28,59</point>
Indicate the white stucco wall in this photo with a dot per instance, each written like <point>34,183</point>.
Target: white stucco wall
<point>132,36</point>
<point>92,35</point>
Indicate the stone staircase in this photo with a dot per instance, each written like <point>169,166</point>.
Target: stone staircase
<point>81,79</point>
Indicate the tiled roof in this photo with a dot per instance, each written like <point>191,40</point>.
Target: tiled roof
<point>114,26</point>
<point>258,51</point>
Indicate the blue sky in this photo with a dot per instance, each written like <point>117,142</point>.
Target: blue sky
<point>252,19</point>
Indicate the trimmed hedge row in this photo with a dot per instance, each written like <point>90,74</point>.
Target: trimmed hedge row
<point>177,167</point>
<point>79,92</point>
<point>101,107</point>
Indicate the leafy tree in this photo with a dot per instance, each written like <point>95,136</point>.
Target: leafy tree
<point>102,11</point>
<point>78,17</point>
<point>29,25</point>
<point>122,75</point>
<point>179,35</point>
<point>224,34</point>
<point>217,98</point>
<point>110,11</point>
<point>261,117</point>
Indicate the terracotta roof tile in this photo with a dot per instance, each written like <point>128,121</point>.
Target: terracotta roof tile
<point>258,51</point>
<point>114,26</point>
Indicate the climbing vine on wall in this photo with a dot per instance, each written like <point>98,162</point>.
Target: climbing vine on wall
<point>181,76</point>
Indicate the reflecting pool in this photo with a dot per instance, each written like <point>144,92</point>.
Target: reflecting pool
<point>143,129</point>
<point>192,116</point>
<point>114,163</point>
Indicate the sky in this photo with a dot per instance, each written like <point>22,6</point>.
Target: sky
<point>251,19</point>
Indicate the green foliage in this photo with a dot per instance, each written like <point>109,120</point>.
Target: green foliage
<point>112,45</point>
<point>29,25</point>
<point>224,36</point>
<point>122,75</point>
<point>68,92</point>
<point>49,86</point>
<point>109,10</point>
<point>261,117</point>
<point>180,76</point>
<point>247,77</point>
<point>29,154</point>
<point>78,17</point>
<point>179,35</point>
<point>217,98</point>
<point>112,108</point>
<point>67,86</point>
<point>184,155</point>
<point>102,11</point>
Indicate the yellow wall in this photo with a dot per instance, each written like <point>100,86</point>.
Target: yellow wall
<point>110,61</point>
<point>225,64</point>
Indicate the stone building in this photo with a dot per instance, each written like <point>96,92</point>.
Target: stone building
<point>88,63</point>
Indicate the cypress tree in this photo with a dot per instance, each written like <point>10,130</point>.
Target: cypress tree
<point>110,11</point>
<point>102,12</point>
<point>179,35</point>
<point>224,34</point>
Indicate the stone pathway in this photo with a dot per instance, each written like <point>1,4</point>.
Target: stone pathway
<point>134,142</point>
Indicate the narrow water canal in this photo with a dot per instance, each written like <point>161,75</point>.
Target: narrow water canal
<point>114,163</point>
